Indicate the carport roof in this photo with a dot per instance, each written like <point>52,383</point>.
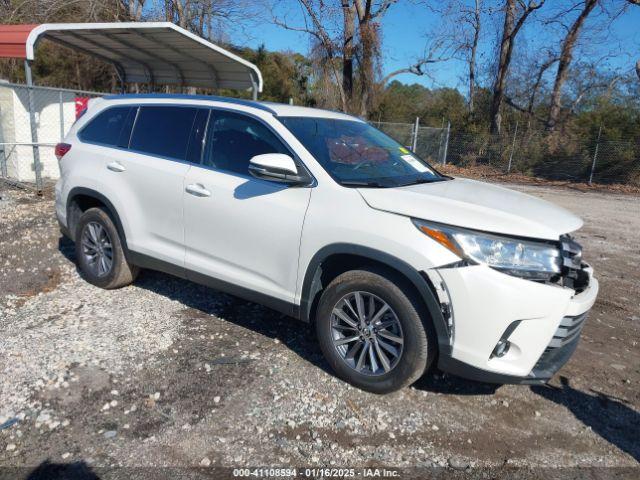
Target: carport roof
<point>143,52</point>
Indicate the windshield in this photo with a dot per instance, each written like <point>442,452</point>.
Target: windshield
<point>356,154</point>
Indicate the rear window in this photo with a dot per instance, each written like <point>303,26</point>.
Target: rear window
<point>163,130</point>
<point>111,127</point>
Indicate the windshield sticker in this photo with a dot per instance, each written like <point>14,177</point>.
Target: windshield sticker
<point>403,150</point>
<point>415,163</point>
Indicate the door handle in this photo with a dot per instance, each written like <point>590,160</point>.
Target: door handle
<point>198,190</point>
<point>116,167</point>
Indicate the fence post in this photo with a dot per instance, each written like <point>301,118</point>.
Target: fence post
<point>595,156</point>
<point>513,146</point>
<point>61,116</point>
<point>446,144</point>
<point>3,163</point>
<point>414,143</point>
<point>34,128</point>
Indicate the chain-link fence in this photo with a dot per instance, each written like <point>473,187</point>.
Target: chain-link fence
<point>32,121</point>
<point>535,154</point>
<point>429,142</point>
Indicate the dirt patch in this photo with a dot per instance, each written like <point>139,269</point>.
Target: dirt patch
<point>491,174</point>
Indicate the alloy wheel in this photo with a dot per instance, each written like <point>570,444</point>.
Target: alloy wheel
<point>366,333</point>
<point>97,249</point>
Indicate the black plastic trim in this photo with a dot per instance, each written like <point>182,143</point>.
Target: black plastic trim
<point>311,284</point>
<point>448,364</point>
<point>282,306</point>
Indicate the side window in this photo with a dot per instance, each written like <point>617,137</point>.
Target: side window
<point>111,127</point>
<point>196,141</point>
<point>233,139</point>
<point>163,130</point>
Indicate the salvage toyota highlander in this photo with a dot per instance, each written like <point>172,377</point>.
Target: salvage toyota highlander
<point>320,216</point>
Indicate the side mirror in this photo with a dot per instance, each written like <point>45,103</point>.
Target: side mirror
<point>276,167</point>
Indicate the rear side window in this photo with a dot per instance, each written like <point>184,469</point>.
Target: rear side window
<point>111,127</point>
<point>233,139</point>
<point>163,130</point>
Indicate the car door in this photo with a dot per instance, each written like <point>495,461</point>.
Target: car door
<point>150,180</point>
<point>242,231</point>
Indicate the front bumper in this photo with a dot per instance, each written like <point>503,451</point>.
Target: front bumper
<point>543,324</point>
<point>549,363</point>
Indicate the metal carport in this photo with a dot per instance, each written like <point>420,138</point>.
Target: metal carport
<point>157,53</point>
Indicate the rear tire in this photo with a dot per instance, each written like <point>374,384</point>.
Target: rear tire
<point>99,253</point>
<point>402,342</point>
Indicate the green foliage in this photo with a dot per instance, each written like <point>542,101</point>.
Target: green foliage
<point>285,75</point>
<point>403,103</point>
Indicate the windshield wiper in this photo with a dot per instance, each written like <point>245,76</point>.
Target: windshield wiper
<point>423,180</point>
<point>362,183</point>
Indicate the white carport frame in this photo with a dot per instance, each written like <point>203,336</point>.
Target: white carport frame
<point>151,52</point>
<point>144,52</point>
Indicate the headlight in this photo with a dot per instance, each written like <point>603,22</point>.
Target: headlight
<point>527,259</point>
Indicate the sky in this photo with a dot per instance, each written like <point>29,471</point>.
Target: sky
<point>407,24</point>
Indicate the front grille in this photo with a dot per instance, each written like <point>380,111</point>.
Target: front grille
<point>562,345</point>
<point>574,274</point>
<point>569,329</point>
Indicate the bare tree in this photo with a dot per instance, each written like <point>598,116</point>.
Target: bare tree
<point>207,18</point>
<point>320,32</point>
<point>438,50</point>
<point>134,8</point>
<point>474,20</point>
<point>368,14</point>
<point>566,56</point>
<point>458,37</point>
<point>636,2</point>
<point>349,16</point>
<point>515,15</point>
<point>352,40</point>
<point>529,84</point>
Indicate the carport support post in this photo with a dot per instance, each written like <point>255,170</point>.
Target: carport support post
<point>254,89</point>
<point>34,128</point>
<point>3,162</point>
<point>61,105</point>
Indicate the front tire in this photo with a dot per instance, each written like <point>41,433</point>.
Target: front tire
<point>371,332</point>
<point>99,253</point>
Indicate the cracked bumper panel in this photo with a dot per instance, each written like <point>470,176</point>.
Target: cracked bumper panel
<point>486,303</point>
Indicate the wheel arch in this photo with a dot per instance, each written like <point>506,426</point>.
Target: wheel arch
<point>332,260</point>
<point>81,199</point>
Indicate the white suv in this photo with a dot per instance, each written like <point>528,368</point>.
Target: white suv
<point>321,216</point>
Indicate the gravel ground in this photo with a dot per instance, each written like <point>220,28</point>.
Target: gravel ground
<point>168,373</point>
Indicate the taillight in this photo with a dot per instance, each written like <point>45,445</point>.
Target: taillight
<point>61,150</point>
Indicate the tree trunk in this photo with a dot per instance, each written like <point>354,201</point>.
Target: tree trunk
<point>347,49</point>
<point>506,46</point>
<point>566,56</point>
<point>472,58</point>
<point>367,40</point>
<point>638,69</point>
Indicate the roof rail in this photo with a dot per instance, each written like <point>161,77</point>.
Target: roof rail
<point>215,98</point>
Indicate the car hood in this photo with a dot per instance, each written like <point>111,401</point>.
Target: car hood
<point>475,205</point>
